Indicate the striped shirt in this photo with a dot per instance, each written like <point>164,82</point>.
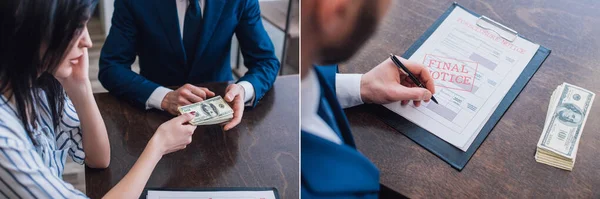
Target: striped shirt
<point>28,171</point>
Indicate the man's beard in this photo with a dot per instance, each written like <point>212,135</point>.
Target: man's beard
<point>363,30</point>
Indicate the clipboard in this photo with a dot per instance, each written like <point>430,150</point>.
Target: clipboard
<point>444,150</point>
<point>275,192</point>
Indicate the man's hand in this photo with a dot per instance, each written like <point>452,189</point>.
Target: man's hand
<point>187,94</point>
<point>235,96</point>
<point>386,83</point>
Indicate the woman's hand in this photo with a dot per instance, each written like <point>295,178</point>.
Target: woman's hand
<point>73,72</point>
<point>170,136</point>
<point>174,134</point>
<point>78,79</point>
<point>73,75</point>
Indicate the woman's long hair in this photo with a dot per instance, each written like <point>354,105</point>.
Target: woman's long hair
<point>35,36</point>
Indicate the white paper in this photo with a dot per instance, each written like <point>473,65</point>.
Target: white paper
<point>473,69</point>
<point>154,194</point>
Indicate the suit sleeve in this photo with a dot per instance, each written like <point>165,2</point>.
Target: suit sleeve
<point>257,49</point>
<point>118,53</point>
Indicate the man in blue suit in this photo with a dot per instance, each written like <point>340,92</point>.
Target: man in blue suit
<point>186,41</point>
<point>332,32</point>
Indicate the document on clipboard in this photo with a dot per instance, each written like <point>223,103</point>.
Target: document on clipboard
<point>213,194</point>
<point>474,62</point>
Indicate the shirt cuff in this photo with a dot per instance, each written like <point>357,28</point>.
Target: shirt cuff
<point>347,87</point>
<point>248,92</point>
<point>157,97</point>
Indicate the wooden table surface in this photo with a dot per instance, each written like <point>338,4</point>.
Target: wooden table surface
<point>504,165</point>
<point>262,151</point>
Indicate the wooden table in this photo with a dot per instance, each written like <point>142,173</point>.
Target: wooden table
<point>262,151</point>
<point>504,165</point>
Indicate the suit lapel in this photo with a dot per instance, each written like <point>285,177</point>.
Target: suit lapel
<point>167,10</point>
<point>325,74</point>
<point>212,13</point>
<point>329,168</point>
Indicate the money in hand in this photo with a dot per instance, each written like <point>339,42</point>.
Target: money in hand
<point>567,113</point>
<point>211,111</point>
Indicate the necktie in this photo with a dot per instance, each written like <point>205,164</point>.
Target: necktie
<point>324,111</point>
<point>191,30</point>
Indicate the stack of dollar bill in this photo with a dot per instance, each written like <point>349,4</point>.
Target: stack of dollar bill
<point>567,113</point>
<point>211,111</point>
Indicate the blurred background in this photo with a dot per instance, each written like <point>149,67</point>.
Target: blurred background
<point>281,21</point>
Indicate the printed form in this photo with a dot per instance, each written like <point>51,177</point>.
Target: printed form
<point>160,194</point>
<point>473,69</point>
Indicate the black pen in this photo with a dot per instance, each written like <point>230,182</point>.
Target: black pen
<point>412,77</point>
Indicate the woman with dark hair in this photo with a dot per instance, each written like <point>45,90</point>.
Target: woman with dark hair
<point>47,108</point>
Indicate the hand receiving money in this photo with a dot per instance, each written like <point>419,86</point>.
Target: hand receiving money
<point>211,111</point>
<point>187,94</point>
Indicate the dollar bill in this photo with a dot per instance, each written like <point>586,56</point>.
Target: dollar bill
<point>567,114</point>
<point>211,111</point>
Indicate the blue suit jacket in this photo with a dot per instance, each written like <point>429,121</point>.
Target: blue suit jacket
<point>150,29</point>
<point>330,170</point>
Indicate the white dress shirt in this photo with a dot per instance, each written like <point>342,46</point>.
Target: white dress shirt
<point>155,99</point>
<point>348,93</point>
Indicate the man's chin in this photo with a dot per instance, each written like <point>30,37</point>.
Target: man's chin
<point>331,56</point>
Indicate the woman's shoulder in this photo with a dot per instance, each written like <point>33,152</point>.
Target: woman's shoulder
<point>12,133</point>
<point>8,117</point>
